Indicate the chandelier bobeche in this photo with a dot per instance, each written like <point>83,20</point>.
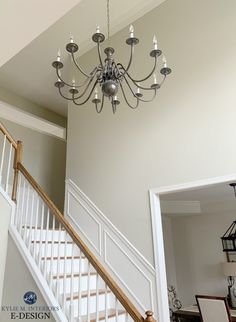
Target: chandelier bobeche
<point>109,76</point>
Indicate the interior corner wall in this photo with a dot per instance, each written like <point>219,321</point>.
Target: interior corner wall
<point>33,108</point>
<point>184,135</point>
<point>44,157</point>
<point>18,281</point>
<point>198,254</point>
<point>169,252</point>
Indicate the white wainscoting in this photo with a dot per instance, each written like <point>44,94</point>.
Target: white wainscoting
<point>132,271</point>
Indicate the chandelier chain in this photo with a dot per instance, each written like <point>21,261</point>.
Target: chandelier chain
<point>108,19</point>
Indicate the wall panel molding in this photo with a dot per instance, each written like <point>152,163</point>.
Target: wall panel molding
<point>127,265</point>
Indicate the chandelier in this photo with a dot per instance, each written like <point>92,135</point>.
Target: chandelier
<point>109,76</point>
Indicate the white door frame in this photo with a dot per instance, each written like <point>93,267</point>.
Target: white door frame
<point>157,234</point>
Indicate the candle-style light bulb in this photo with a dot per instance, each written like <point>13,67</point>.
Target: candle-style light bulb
<point>115,98</point>
<point>131,30</point>
<point>58,55</point>
<point>98,30</point>
<point>164,61</point>
<point>96,93</point>
<point>155,42</point>
<point>73,83</point>
<point>138,89</point>
<point>71,38</point>
<point>154,79</point>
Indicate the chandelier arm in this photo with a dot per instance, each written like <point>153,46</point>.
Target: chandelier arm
<point>130,62</point>
<point>127,102</point>
<point>101,108</point>
<point>76,86</point>
<point>85,101</point>
<point>139,98</point>
<point>62,95</point>
<point>145,88</point>
<point>85,90</point>
<point>148,76</point>
<point>78,66</point>
<point>118,73</point>
<point>99,54</point>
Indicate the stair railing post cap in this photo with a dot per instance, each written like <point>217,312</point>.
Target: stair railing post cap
<point>149,317</point>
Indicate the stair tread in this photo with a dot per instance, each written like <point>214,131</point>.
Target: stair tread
<point>38,228</point>
<point>50,242</point>
<point>85,294</point>
<point>74,275</point>
<point>63,257</point>
<point>102,315</point>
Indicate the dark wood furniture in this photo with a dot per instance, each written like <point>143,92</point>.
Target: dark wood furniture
<point>206,309</point>
<point>191,314</point>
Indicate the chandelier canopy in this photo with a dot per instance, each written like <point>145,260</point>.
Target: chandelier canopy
<point>109,75</point>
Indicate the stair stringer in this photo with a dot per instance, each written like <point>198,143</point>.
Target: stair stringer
<point>37,275</point>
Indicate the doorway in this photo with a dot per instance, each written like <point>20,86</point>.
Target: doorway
<point>156,197</point>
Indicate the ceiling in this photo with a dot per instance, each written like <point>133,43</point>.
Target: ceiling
<point>218,198</point>
<point>22,21</point>
<point>29,74</point>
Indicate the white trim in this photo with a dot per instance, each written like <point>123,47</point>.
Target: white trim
<point>106,260</point>
<point>173,207</point>
<point>31,121</point>
<point>157,233</point>
<point>123,251</point>
<point>99,247</point>
<point>193,184</point>
<point>105,220</point>
<point>7,197</point>
<point>37,275</point>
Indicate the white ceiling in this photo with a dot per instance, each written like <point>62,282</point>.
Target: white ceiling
<point>29,73</point>
<point>212,199</point>
<point>22,21</point>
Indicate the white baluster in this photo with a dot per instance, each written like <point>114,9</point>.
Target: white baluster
<point>88,290</point>
<point>8,168</point>
<point>106,303</point>
<point>26,215</point>
<point>97,298</point>
<point>72,285</point>
<point>46,245</point>
<point>80,284</point>
<point>19,201</point>
<point>22,208</point>
<point>41,237</point>
<point>36,228</point>
<point>2,159</point>
<point>31,221</point>
<point>126,316</point>
<point>52,248</point>
<point>58,263</point>
<point>64,273</point>
<point>116,308</point>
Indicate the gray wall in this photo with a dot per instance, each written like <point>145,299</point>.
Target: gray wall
<point>5,211</point>
<point>44,157</point>
<point>184,135</point>
<point>31,107</point>
<point>197,254</point>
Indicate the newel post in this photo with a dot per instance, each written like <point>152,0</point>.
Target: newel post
<point>149,317</point>
<point>17,160</point>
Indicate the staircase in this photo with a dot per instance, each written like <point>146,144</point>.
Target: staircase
<point>69,276</point>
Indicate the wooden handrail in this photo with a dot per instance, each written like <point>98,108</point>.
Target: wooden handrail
<point>117,291</point>
<point>17,160</point>
<point>8,135</point>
